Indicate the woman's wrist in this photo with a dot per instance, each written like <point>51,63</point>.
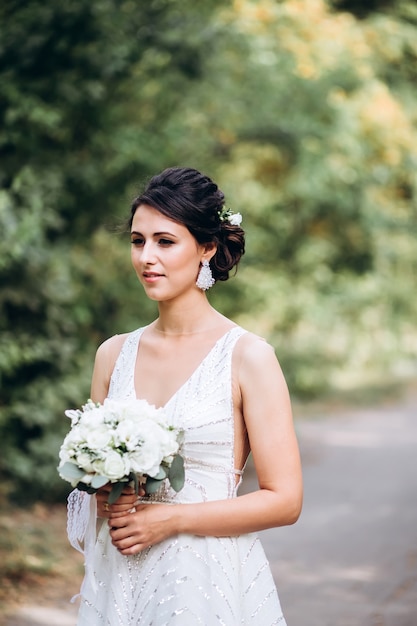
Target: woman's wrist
<point>179,519</point>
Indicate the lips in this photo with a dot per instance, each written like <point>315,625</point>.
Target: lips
<point>151,276</point>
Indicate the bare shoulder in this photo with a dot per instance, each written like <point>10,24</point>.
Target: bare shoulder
<point>257,364</point>
<point>109,350</point>
<point>254,351</point>
<point>106,357</point>
<point>107,353</point>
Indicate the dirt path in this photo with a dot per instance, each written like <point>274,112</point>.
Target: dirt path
<point>351,560</point>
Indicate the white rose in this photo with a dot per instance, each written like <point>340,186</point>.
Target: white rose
<point>75,437</point>
<point>235,219</point>
<point>98,438</point>
<point>65,455</point>
<point>85,462</point>
<point>144,461</point>
<point>168,444</point>
<point>146,458</point>
<point>70,446</point>
<point>115,466</point>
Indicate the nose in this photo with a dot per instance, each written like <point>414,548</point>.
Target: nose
<point>149,253</point>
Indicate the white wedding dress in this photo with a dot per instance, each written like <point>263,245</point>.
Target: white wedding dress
<point>185,580</point>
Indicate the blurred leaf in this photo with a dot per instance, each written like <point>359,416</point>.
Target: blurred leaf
<point>176,474</point>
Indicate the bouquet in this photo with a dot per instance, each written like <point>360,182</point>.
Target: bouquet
<point>121,443</point>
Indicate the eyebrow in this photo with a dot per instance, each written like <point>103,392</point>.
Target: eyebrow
<point>158,234</point>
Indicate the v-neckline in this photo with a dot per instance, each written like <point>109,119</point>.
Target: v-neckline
<point>193,373</point>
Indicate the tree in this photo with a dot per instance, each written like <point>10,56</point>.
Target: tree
<point>302,112</point>
<point>319,132</point>
<point>86,92</point>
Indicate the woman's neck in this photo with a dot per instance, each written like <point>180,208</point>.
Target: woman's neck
<point>187,320</point>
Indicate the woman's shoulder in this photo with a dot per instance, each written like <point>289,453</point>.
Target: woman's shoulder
<point>110,349</point>
<point>112,344</point>
<point>252,344</point>
<point>254,354</point>
<point>258,369</point>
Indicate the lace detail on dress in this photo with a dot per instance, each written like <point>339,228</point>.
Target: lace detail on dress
<point>82,532</point>
<point>78,511</point>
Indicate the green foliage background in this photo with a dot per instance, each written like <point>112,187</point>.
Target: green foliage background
<point>302,110</point>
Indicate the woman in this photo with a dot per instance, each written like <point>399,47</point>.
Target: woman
<point>191,557</point>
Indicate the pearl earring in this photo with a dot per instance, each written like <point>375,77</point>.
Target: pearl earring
<point>205,278</point>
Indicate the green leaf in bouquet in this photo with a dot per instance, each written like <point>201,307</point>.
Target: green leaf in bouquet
<point>99,481</point>
<point>163,473</point>
<point>70,471</point>
<point>116,491</point>
<point>176,475</point>
<point>152,485</point>
<point>133,478</point>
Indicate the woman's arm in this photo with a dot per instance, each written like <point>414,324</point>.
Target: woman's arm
<point>104,363</point>
<point>268,418</point>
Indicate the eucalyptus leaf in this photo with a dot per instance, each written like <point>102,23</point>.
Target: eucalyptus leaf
<point>161,474</point>
<point>116,491</point>
<point>152,485</point>
<point>176,475</point>
<point>99,481</point>
<point>134,479</point>
<point>71,471</point>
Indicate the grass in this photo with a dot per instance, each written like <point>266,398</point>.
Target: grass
<point>37,564</point>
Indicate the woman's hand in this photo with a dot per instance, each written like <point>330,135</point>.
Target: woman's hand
<point>122,505</point>
<point>150,524</point>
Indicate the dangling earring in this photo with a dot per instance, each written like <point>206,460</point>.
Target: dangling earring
<point>205,278</point>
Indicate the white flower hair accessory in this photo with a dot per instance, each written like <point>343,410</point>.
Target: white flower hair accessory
<point>235,219</point>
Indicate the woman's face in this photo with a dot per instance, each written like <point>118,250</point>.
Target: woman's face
<point>165,255</point>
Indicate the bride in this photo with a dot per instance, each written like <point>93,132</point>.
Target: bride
<point>191,557</point>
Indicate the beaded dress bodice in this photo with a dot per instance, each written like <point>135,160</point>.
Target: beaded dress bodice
<point>202,408</point>
<point>185,580</point>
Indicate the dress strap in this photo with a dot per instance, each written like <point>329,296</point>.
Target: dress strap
<point>122,378</point>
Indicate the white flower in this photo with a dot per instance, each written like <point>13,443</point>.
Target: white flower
<point>114,439</point>
<point>131,410</point>
<point>85,462</point>
<point>235,219</point>
<point>126,433</point>
<point>72,443</point>
<point>74,415</point>
<point>146,457</point>
<point>93,418</point>
<point>99,438</point>
<point>115,466</point>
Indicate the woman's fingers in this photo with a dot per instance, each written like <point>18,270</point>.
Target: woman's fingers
<point>126,539</point>
<point>123,504</point>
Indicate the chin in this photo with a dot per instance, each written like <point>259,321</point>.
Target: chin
<point>165,295</point>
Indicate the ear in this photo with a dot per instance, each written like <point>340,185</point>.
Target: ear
<point>209,250</point>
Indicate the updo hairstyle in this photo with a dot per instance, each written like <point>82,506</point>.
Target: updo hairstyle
<point>194,200</point>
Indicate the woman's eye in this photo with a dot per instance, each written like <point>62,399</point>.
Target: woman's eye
<point>165,242</point>
<point>137,241</point>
